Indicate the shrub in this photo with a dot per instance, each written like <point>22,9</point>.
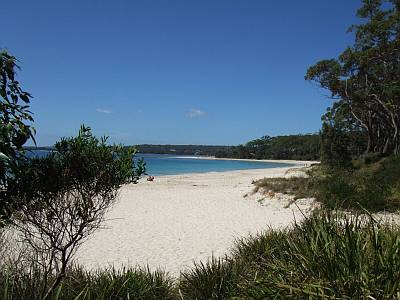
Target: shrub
<point>62,198</point>
<point>374,186</point>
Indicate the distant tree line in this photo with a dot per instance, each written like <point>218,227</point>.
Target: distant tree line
<point>180,149</point>
<point>298,147</point>
<point>301,147</point>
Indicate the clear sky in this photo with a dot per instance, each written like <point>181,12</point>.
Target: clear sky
<point>179,72</point>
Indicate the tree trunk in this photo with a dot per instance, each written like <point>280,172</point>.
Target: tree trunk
<point>59,278</point>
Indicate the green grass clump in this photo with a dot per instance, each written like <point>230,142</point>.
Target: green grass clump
<point>118,284</point>
<point>299,187</point>
<point>83,285</point>
<point>215,279</point>
<point>329,256</point>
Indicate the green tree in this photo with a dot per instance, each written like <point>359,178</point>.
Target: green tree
<point>335,150</point>
<point>15,123</point>
<point>365,79</point>
<point>62,198</point>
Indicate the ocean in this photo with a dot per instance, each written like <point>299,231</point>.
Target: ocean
<point>157,164</point>
<point>162,164</point>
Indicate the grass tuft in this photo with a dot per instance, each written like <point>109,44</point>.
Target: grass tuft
<point>83,285</point>
<point>329,256</point>
<point>215,279</point>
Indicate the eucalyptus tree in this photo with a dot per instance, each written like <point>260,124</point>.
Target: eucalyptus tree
<point>364,80</point>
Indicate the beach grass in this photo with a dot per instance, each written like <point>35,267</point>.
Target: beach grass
<point>79,284</point>
<point>330,255</point>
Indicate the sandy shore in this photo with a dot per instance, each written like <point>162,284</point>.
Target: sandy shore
<point>302,163</point>
<point>179,219</point>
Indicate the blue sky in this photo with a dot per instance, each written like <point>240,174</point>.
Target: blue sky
<point>179,72</point>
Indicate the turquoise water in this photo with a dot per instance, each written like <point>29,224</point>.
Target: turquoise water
<point>158,164</point>
<point>172,165</point>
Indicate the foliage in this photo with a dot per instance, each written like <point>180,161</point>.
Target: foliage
<point>62,198</point>
<point>215,279</point>
<point>330,255</point>
<point>15,119</point>
<point>300,147</point>
<point>83,285</point>
<point>335,146</point>
<point>205,150</point>
<point>374,186</point>
<point>371,182</point>
<point>299,187</point>
<point>364,80</point>
<point>327,256</point>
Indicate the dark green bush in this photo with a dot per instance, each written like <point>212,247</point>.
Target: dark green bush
<point>366,159</point>
<point>374,186</point>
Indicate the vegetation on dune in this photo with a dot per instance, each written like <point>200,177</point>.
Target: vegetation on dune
<point>299,187</point>
<point>80,284</point>
<point>374,186</point>
<point>328,256</point>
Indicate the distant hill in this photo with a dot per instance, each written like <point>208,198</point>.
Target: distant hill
<point>203,150</point>
<point>39,148</point>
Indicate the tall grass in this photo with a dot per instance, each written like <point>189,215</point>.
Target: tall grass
<point>215,279</point>
<point>330,255</point>
<point>82,285</point>
<point>327,256</point>
<point>299,187</point>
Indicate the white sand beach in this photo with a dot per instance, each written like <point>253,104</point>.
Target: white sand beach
<point>179,219</point>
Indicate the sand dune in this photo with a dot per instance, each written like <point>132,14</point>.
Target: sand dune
<point>179,219</point>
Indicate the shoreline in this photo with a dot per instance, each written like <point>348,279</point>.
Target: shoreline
<point>180,219</point>
<point>283,161</point>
